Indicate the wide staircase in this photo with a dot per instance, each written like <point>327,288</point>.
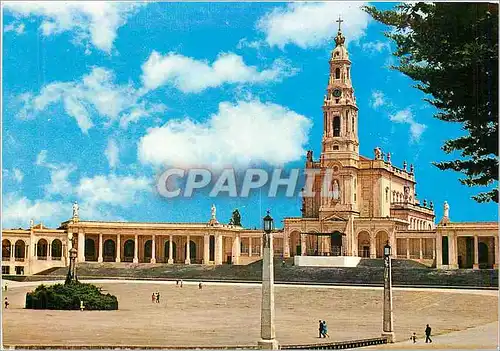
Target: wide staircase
<point>368,272</point>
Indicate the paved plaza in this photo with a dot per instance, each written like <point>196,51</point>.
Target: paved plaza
<point>229,314</point>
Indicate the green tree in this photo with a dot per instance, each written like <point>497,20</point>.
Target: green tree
<point>451,51</point>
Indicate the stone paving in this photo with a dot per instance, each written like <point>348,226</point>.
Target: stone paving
<point>229,314</point>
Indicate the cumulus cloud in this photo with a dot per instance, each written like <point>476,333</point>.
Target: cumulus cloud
<point>233,136</point>
<point>312,24</point>
<point>192,76</point>
<point>376,46</point>
<point>378,99</point>
<point>18,210</point>
<point>112,189</point>
<point>59,173</point>
<point>406,117</point>
<point>112,153</point>
<point>94,22</point>
<point>14,27</point>
<point>18,175</point>
<point>95,93</point>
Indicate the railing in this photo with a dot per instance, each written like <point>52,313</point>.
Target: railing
<point>337,345</point>
<point>43,258</point>
<point>5,258</point>
<point>19,259</point>
<point>57,258</point>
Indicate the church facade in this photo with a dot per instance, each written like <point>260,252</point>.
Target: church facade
<point>352,206</point>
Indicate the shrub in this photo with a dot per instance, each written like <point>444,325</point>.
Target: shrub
<point>68,297</point>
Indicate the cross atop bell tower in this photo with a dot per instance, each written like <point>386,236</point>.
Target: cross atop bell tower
<point>339,21</point>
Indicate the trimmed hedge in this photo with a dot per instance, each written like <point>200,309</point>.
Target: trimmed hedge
<point>68,297</point>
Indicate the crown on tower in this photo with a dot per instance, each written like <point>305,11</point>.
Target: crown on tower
<point>339,39</point>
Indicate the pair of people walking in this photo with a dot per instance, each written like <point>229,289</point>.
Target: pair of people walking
<point>155,297</point>
<point>428,330</point>
<point>323,329</point>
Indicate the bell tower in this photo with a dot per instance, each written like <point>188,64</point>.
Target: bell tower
<point>340,145</point>
<point>340,113</point>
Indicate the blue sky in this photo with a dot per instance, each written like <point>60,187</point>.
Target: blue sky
<point>99,97</point>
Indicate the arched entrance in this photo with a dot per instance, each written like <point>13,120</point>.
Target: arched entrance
<point>148,251</point>
<point>166,251</point>
<point>192,250</point>
<point>295,248</point>
<point>483,255</point>
<point>128,251</point>
<point>56,249</point>
<point>380,240</point>
<point>364,244</point>
<point>90,250</point>
<point>41,249</point>
<point>19,250</point>
<point>6,250</point>
<point>336,243</point>
<point>109,251</point>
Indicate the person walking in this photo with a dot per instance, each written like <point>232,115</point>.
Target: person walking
<point>6,303</point>
<point>325,330</point>
<point>153,298</point>
<point>158,297</point>
<point>320,328</point>
<point>200,286</point>
<point>177,282</point>
<point>428,334</point>
<point>181,283</point>
<point>414,337</point>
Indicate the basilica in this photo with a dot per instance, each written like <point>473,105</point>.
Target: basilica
<point>366,203</point>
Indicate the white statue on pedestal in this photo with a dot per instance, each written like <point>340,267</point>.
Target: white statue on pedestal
<point>446,210</point>
<point>32,223</point>
<point>213,211</point>
<point>75,210</point>
<point>335,190</point>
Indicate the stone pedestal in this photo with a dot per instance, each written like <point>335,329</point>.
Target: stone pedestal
<point>475,266</point>
<point>390,337</point>
<point>388,326</point>
<point>267,326</point>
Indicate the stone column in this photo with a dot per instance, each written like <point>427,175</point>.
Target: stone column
<point>206,249</point>
<point>452,249</point>
<point>408,248</point>
<point>49,251</point>
<point>303,249</point>
<point>218,249</point>
<point>236,249</point>
<point>267,328</point>
<point>136,249</point>
<point>81,246</point>
<point>373,248</point>
<point>188,251</point>
<point>286,245</point>
<point>99,258</point>
<point>170,249</point>
<point>420,253</point>
<point>261,247</point>
<point>496,249</point>
<point>249,246</point>
<point>476,253</point>
<point>439,250</point>
<point>12,253</point>
<point>118,249</point>
<point>153,249</point>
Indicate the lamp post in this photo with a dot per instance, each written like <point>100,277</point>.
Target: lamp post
<point>267,328</point>
<point>71,277</point>
<point>388,321</point>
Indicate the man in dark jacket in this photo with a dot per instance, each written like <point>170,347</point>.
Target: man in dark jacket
<point>428,334</point>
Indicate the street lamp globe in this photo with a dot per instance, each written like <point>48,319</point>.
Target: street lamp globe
<point>268,223</point>
<point>387,250</point>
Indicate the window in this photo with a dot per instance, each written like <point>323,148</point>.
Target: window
<point>352,120</point>
<point>354,197</point>
<point>5,270</point>
<point>387,194</point>
<point>336,126</point>
<point>348,73</point>
<point>335,147</point>
<point>337,73</point>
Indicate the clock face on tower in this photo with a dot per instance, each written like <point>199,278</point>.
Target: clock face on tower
<point>337,93</point>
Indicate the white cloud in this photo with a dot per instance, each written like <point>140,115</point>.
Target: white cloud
<point>115,190</point>
<point>96,22</point>
<point>378,99</point>
<point>312,24</point>
<point>112,153</point>
<point>376,46</point>
<point>95,93</point>
<point>18,210</point>
<point>406,116</point>
<point>18,175</point>
<point>238,135</point>
<point>191,76</point>
<point>14,27</point>
<point>59,173</point>
<point>140,111</point>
